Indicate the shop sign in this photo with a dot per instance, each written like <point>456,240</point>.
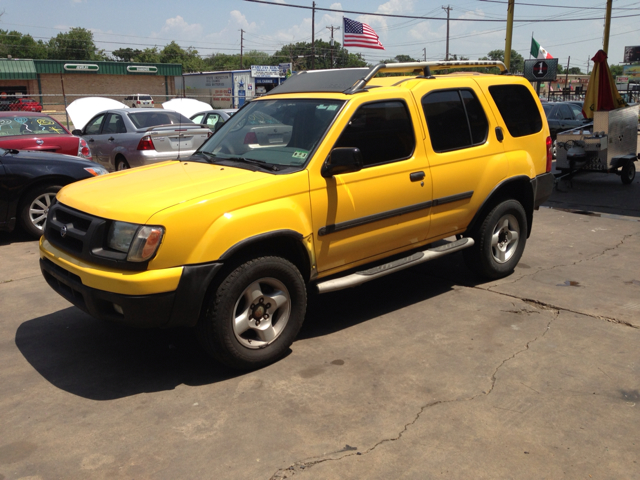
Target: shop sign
<point>142,69</point>
<point>81,67</point>
<point>265,71</point>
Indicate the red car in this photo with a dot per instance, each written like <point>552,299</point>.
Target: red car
<point>25,105</point>
<point>37,131</point>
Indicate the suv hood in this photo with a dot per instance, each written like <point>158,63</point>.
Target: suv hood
<point>136,195</point>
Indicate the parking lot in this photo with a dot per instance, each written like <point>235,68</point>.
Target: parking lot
<point>423,374</point>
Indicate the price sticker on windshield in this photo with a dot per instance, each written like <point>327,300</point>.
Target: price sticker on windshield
<point>300,154</point>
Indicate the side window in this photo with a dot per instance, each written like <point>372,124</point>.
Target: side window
<point>114,124</point>
<point>577,111</point>
<point>382,131</point>
<point>455,119</point>
<point>198,118</point>
<point>93,127</point>
<point>565,112</point>
<point>213,118</point>
<point>517,108</point>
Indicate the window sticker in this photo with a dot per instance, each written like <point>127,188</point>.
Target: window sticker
<point>300,154</point>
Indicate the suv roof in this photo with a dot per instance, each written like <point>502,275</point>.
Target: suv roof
<point>353,80</point>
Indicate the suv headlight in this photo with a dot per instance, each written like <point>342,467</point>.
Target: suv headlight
<point>139,242</point>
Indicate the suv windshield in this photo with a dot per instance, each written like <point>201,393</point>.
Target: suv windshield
<point>275,132</point>
<point>153,118</point>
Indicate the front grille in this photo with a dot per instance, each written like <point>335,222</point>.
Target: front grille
<point>84,236</point>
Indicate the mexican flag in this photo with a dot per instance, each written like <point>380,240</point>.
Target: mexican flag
<point>537,51</point>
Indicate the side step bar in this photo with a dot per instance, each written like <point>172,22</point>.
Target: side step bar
<point>364,276</point>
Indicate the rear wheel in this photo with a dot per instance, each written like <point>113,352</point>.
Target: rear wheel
<point>628,173</point>
<point>35,207</point>
<point>500,241</point>
<point>122,164</point>
<point>254,315</point>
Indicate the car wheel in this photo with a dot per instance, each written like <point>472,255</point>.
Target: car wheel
<point>254,315</point>
<point>628,173</point>
<point>500,241</point>
<point>34,208</point>
<point>122,164</point>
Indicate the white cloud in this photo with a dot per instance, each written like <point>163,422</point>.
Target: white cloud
<point>180,29</point>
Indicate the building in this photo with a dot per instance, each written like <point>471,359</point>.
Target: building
<point>54,82</point>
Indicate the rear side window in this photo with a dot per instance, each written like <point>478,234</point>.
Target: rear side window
<point>382,131</point>
<point>455,119</point>
<point>517,108</point>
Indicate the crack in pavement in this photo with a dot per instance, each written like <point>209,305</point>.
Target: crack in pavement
<point>587,259</point>
<point>290,471</point>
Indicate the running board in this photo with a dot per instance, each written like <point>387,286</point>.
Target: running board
<point>364,276</point>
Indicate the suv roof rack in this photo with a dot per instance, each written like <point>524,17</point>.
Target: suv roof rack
<point>351,80</point>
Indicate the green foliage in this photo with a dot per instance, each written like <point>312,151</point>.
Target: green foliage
<point>616,70</point>
<point>517,61</point>
<point>19,45</point>
<point>126,54</point>
<point>76,44</point>
<point>300,54</point>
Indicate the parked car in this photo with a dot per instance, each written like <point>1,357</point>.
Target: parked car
<point>29,182</point>
<point>563,116</point>
<point>37,131</point>
<point>139,100</point>
<point>330,180</point>
<point>214,119</point>
<point>122,138</point>
<point>25,105</point>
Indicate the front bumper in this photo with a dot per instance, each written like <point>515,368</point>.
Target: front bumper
<point>180,307</point>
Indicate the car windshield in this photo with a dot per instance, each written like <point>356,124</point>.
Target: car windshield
<point>274,132</point>
<point>20,125</point>
<point>155,118</point>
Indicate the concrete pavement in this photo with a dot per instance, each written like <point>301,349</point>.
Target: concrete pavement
<point>426,373</point>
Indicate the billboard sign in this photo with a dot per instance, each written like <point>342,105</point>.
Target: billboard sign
<point>631,54</point>
<point>265,71</point>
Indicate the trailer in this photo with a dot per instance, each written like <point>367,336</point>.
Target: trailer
<point>608,145</point>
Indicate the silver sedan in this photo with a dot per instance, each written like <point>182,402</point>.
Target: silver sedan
<point>213,119</point>
<point>125,138</point>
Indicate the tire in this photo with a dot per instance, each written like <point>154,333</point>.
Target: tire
<point>270,289</point>
<point>34,207</point>
<point>122,164</point>
<point>500,241</point>
<point>628,173</point>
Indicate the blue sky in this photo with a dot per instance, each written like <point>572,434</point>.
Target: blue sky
<point>213,26</point>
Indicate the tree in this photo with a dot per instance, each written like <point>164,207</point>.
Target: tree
<point>126,54</point>
<point>400,59</point>
<point>189,58</point>
<point>572,70</point>
<point>20,45</point>
<point>616,70</point>
<point>76,44</point>
<point>517,61</point>
<point>300,55</point>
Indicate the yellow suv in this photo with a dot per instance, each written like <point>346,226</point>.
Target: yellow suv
<point>333,179</point>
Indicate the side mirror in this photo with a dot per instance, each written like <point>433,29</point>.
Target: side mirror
<point>342,160</point>
<point>76,132</point>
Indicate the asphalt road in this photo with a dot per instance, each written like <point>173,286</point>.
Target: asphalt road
<point>426,373</point>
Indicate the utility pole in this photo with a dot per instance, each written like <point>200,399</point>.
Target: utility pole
<point>447,9</point>
<point>332,28</point>
<point>241,47</point>
<point>588,64</point>
<point>424,54</point>
<point>313,36</point>
<point>566,79</point>
<point>507,46</point>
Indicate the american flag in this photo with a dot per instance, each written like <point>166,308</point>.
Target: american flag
<point>356,34</point>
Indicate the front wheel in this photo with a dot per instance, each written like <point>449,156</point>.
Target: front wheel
<point>255,313</point>
<point>35,207</point>
<point>628,173</point>
<point>500,241</point>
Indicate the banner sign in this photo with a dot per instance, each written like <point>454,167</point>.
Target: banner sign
<point>265,71</point>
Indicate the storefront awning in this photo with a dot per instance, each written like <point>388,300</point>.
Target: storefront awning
<point>17,70</point>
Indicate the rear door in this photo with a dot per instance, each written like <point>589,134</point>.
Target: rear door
<point>92,134</point>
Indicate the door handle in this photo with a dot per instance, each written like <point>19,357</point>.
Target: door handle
<point>111,139</point>
<point>91,140</point>
<point>416,176</point>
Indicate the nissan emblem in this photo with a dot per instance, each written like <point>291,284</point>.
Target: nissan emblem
<point>63,231</point>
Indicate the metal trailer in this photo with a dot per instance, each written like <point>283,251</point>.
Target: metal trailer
<point>609,144</point>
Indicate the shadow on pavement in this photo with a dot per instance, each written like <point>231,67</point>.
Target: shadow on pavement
<point>17,236</point>
<point>103,361</point>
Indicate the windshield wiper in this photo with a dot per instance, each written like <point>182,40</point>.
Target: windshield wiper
<point>260,163</point>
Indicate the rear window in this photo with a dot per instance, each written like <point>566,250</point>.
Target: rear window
<point>144,97</point>
<point>517,108</point>
<point>19,125</point>
<point>153,119</point>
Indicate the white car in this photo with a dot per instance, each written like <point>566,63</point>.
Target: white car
<point>139,100</point>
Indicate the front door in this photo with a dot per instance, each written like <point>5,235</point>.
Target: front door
<point>383,207</point>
